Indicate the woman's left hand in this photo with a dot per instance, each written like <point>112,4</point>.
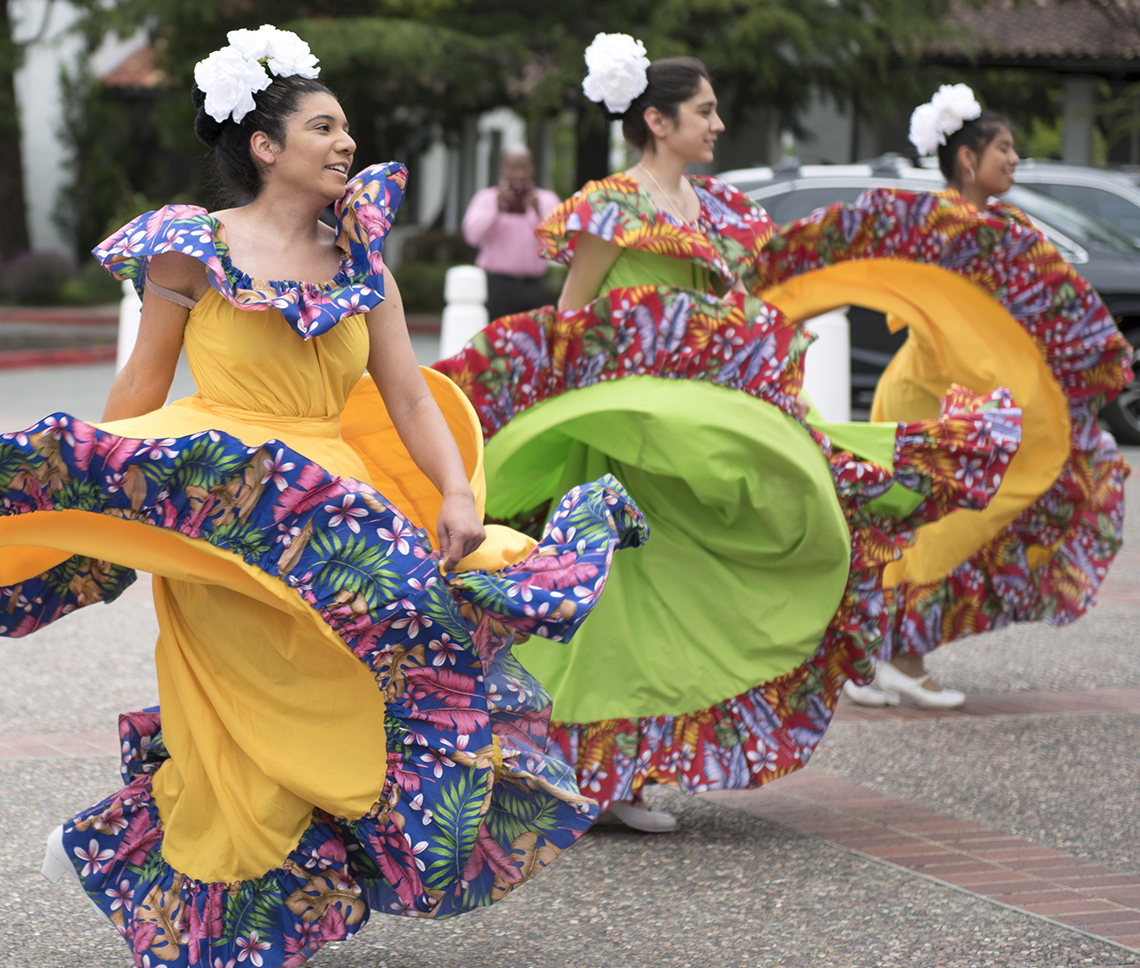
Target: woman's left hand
<point>459,528</point>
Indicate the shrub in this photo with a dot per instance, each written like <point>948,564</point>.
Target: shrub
<point>421,285</point>
<point>436,245</point>
<point>37,278</point>
<point>93,285</point>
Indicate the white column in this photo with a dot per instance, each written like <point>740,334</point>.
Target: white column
<point>130,312</point>
<point>465,312</point>
<point>40,106</point>
<point>827,366</point>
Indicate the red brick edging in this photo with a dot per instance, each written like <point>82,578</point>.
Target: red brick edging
<point>1122,700</point>
<point>22,359</point>
<point>1018,873</point>
<point>68,315</point>
<point>52,745</point>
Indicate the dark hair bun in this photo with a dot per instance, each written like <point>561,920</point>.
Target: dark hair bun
<point>975,135</point>
<point>669,82</point>
<point>238,174</point>
<point>208,130</point>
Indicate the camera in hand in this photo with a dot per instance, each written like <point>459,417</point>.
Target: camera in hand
<point>517,194</point>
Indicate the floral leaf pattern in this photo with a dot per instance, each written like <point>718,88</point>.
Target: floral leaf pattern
<point>729,234</point>
<point>465,723</point>
<point>364,216</point>
<point>735,341</point>
<point>1047,564</point>
<point>748,345</point>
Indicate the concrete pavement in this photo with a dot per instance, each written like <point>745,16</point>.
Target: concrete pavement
<point>1007,835</point>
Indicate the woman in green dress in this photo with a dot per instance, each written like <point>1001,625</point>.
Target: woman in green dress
<point>723,643</point>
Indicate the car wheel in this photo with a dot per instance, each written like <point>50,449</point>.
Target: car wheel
<point>1123,414</point>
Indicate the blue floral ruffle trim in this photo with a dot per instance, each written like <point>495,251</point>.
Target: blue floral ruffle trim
<point>473,804</point>
<point>364,217</point>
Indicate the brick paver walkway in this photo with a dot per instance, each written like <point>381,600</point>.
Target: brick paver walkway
<point>1038,880</point>
<point>1001,704</point>
<point>1048,883</point>
<point>42,746</point>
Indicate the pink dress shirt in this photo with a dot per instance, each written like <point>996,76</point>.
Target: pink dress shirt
<point>506,240</point>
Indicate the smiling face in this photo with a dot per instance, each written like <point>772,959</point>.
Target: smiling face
<point>998,163</point>
<point>517,169</point>
<point>316,156</point>
<point>994,168</point>
<point>692,136</point>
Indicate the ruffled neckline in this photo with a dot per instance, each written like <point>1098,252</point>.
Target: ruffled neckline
<point>363,218</point>
<point>995,208</point>
<point>726,238</point>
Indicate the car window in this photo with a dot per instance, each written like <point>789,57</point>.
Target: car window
<point>791,205</point>
<point>1107,206</point>
<point>1070,220</point>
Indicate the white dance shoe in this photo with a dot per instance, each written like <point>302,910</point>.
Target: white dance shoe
<point>639,818</point>
<point>869,695</point>
<point>890,680</point>
<point>56,862</point>
<point>57,865</point>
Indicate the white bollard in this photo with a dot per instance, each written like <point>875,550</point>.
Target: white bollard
<point>827,367</point>
<point>130,312</point>
<point>465,309</point>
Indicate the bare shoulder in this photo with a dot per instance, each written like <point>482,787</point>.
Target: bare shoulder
<point>182,273</point>
<point>595,246</point>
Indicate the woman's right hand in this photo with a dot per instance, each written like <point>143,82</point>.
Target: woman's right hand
<point>459,528</point>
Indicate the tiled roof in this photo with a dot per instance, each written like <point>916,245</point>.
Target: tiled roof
<point>138,72</point>
<point>1045,30</point>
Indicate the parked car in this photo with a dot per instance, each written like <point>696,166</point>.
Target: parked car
<point>1112,197</point>
<point>1108,259</point>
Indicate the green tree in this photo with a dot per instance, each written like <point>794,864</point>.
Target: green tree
<point>769,53</point>
<point>404,68</point>
<point>13,211</point>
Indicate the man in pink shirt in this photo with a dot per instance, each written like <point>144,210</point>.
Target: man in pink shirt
<point>500,222</point>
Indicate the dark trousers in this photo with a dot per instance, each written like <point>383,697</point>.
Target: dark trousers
<point>514,294</point>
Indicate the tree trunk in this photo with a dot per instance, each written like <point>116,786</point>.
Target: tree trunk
<point>593,155</point>
<point>13,212</point>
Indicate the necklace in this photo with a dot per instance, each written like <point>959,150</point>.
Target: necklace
<point>672,200</point>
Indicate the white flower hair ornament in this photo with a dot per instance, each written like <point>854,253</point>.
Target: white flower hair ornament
<point>616,71</point>
<point>950,108</point>
<point>231,76</point>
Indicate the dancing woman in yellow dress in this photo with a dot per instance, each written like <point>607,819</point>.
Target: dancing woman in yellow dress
<point>988,301</point>
<point>343,727</point>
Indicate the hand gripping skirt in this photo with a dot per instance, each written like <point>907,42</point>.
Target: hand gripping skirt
<point>343,730</point>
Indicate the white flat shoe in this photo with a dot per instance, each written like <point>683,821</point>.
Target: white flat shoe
<point>56,863</point>
<point>889,679</point>
<point>639,818</point>
<point>870,694</point>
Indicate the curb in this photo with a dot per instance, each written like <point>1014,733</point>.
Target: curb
<point>26,359</point>
<point>70,315</point>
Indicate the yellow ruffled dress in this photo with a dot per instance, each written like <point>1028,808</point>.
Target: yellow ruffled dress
<point>342,728</point>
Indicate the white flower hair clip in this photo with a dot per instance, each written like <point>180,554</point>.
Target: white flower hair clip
<point>616,71</point>
<point>231,76</point>
<point>950,108</point>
